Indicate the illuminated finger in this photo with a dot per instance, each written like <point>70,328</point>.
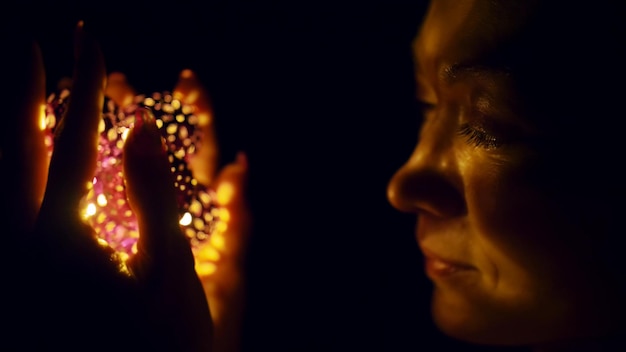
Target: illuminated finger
<point>190,91</point>
<point>220,261</point>
<point>163,264</point>
<point>75,150</point>
<point>119,90</point>
<point>230,187</point>
<point>226,245</point>
<point>23,154</point>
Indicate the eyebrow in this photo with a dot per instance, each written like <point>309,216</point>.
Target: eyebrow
<point>453,73</point>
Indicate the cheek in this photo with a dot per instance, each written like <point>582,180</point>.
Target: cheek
<point>510,223</point>
<point>511,231</point>
<point>517,224</point>
<point>535,272</point>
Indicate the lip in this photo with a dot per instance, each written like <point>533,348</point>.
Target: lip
<point>437,266</point>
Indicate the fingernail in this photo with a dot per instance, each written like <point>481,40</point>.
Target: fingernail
<point>147,136</point>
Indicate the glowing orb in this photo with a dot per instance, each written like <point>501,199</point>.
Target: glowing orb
<point>106,207</point>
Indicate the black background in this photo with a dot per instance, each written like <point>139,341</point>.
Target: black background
<point>320,97</point>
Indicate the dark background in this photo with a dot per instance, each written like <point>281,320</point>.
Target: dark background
<point>320,97</point>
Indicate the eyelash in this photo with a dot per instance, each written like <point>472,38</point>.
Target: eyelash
<point>478,137</point>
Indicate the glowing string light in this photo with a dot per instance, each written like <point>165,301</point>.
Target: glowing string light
<point>105,207</point>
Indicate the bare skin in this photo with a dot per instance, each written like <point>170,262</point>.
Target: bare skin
<point>513,261</point>
<point>70,287</point>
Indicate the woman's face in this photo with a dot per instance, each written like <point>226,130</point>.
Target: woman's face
<point>505,243</point>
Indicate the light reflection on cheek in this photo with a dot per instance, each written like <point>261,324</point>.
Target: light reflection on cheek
<point>105,207</point>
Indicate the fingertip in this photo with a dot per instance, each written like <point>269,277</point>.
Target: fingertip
<point>187,74</point>
<point>231,181</point>
<point>242,159</point>
<point>116,76</point>
<point>119,90</point>
<point>79,38</point>
<point>185,84</point>
<point>76,142</point>
<point>64,83</point>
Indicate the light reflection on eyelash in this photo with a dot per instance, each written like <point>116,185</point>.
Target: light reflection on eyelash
<point>478,137</point>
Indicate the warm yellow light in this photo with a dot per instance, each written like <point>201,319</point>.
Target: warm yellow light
<point>187,109</point>
<point>102,242</point>
<point>225,193</point>
<point>192,96</point>
<point>101,200</point>
<point>217,240</point>
<point>205,268</point>
<point>224,215</point>
<point>221,226</point>
<point>207,252</point>
<point>105,206</point>
<point>112,134</point>
<point>123,256</point>
<point>198,224</point>
<point>204,119</point>
<point>195,207</point>
<point>172,128</point>
<point>43,121</point>
<point>91,209</point>
<point>125,133</point>
<point>186,219</point>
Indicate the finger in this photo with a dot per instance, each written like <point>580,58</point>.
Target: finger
<point>221,260</point>
<point>233,229</point>
<point>23,153</point>
<point>190,91</point>
<point>164,261</point>
<point>224,252</point>
<point>146,169</point>
<point>64,83</point>
<point>119,90</point>
<point>75,151</point>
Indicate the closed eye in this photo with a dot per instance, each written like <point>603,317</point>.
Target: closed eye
<point>478,136</point>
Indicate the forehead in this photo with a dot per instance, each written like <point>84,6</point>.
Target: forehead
<point>467,31</point>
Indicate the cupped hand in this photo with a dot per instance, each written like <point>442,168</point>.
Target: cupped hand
<point>66,290</point>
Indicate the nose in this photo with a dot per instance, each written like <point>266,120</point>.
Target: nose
<point>429,182</point>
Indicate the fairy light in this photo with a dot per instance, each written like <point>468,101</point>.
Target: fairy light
<point>105,206</point>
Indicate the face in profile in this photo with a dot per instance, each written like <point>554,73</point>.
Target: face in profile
<point>512,235</point>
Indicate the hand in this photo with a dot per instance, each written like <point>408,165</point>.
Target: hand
<point>66,290</point>
<point>219,261</point>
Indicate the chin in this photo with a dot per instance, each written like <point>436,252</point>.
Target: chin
<point>457,319</point>
<point>484,323</point>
